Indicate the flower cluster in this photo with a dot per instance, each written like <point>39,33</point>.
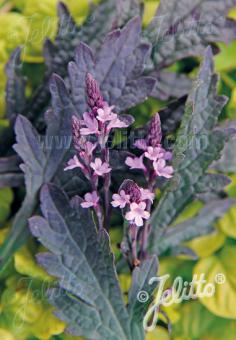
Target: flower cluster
<point>153,154</point>
<point>90,136</point>
<point>134,200</point>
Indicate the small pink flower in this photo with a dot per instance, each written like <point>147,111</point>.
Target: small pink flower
<point>91,124</point>
<point>120,200</point>
<point>100,168</point>
<point>135,163</point>
<point>90,200</point>
<point>168,156</point>
<point>106,114</point>
<point>163,170</point>
<point>146,194</point>
<point>116,123</point>
<point>137,213</point>
<point>154,153</point>
<point>89,148</point>
<point>141,144</point>
<point>74,163</point>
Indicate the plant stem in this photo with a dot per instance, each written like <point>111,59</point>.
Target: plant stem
<point>134,233</point>
<point>98,208</point>
<point>147,226</point>
<point>99,213</point>
<point>107,183</point>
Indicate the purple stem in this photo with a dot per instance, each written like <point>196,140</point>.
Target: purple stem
<point>147,226</point>
<point>107,183</point>
<point>98,209</point>
<point>134,233</point>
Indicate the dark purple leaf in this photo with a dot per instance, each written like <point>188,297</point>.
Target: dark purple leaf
<point>183,28</point>
<point>70,234</point>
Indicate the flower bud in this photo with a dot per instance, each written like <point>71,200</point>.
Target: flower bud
<point>77,138</point>
<point>131,189</point>
<point>155,134</point>
<point>94,96</point>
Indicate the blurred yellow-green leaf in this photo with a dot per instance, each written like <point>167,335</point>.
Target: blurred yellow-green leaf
<point>226,60</point>
<point>228,223</point>
<point>198,323</point>
<point>222,264</point>
<point>4,334</point>
<point>25,264</point>
<point>6,198</point>
<point>206,245</point>
<point>190,211</point>
<point>159,333</point>
<point>23,314</point>
<point>150,8</point>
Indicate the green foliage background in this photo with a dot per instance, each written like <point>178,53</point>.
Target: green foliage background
<point>24,313</point>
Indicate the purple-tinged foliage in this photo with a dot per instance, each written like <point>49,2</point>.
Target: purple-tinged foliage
<point>183,28</point>
<point>120,70</point>
<point>114,68</point>
<point>90,283</point>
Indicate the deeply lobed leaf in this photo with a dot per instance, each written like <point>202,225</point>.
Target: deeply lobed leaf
<point>82,261</point>
<point>197,143</point>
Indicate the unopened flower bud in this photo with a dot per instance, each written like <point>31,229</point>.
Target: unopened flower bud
<point>94,96</point>
<point>76,133</point>
<point>155,134</point>
<point>131,189</point>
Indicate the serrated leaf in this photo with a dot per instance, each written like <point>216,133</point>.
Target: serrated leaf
<point>15,88</point>
<point>14,97</point>
<point>117,68</point>
<point>183,28</point>
<point>227,163</point>
<point>42,158</point>
<point>141,283</point>
<point>30,150</point>
<point>228,223</point>
<point>10,174</point>
<point>101,20</point>
<point>170,85</point>
<point>171,116</point>
<point>211,187</point>
<point>199,144</point>
<point>80,258</point>
<point>197,226</point>
<point>213,182</point>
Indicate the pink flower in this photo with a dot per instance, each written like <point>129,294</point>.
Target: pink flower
<point>91,124</point>
<point>146,194</point>
<point>117,123</point>
<point>120,200</point>
<point>100,168</point>
<point>106,114</point>
<point>135,163</point>
<point>163,170</point>
<point>89,148</point>
<point>90,200</point>
<point>137,213</point>
<point>154,153</point>
<point>74,163</point>
<point>168,156</point>
<point>141,144</point>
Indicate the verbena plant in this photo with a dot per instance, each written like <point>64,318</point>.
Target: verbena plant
<point>67,136</point>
